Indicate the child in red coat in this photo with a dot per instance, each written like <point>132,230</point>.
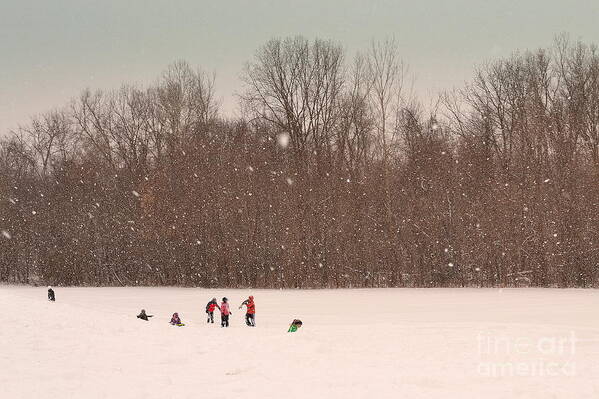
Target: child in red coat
<point>250,314</point>
<point>210,309</point>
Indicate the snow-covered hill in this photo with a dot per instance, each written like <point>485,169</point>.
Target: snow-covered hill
<point>395,343</point>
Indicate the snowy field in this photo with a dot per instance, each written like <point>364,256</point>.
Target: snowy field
<point>385,343</point>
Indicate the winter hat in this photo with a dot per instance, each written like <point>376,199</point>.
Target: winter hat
<point>49,287</point>
<point>252,297</point>
<point>225,299</point>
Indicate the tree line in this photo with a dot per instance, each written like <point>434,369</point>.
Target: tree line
<point>334,175</point>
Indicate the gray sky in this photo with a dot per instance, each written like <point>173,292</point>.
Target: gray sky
<point>52,49</point>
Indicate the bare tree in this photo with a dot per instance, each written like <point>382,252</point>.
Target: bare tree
<point>296,85</point>
<point>149,185</point>
<point>386,70</point>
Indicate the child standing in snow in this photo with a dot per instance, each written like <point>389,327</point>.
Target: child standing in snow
<point>210,309</point>
<point>51,296</point>
<point>224,313</point>
<point>142,315</point>
<point>175,320</point>
<point>250,314</point>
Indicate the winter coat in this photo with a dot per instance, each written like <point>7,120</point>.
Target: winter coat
<point>144,316</point>
<point>175,319</point>
<point>224,309</point>
<point>295,325</point>
<point>251,307</point>
<point>211,306</point>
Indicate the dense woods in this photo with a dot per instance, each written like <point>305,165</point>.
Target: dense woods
<point>334,176</point>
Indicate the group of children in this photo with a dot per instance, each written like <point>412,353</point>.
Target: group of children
<point>225,312</point>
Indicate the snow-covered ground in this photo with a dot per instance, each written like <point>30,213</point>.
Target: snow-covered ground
<point>385,343</point>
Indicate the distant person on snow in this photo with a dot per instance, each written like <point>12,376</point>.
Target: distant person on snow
<point>51,296</point>
<point>210,309</point>
<point>143,315</point>
<point>175,320</point>
<point>295,325</point>
<point>224,313</point>
<point>250,314</point>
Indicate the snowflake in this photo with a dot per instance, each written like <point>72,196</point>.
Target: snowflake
<point>283,140</point>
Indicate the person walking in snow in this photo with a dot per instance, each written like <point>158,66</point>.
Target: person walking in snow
<point>250,314</point>
<point>175,320</point>
<point>224,313</point>
<point>51,296</point>
<point>142,315</point>
<point>210,309</point>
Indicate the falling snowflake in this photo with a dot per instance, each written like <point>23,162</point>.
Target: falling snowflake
<point>6,234</point>
<point>283,140</point>
<point>135,193</point>
<point>289,181</point>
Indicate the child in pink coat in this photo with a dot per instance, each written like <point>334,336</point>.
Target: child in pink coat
<point>224,313</point>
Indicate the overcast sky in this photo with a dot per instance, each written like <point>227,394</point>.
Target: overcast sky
<point>52,49</point>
